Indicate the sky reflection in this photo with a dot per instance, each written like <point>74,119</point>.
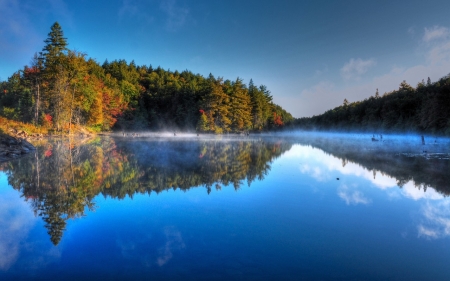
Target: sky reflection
<point>311,209</point>
<point>433,218</point>
<point>17,223</point>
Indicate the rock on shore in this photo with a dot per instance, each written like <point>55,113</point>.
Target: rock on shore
<point>11,147</point>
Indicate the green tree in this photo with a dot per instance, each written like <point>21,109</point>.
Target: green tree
<point>202,125</point>
<point>240,111</point>
<point>260,106</point>
<point>54,73</point>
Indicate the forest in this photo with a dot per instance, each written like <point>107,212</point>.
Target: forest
<point>63,89</point>
<point>424,109</point>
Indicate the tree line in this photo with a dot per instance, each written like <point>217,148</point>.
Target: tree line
<point>424,170</point>
<point>424,109</point>
<point>62,88</point>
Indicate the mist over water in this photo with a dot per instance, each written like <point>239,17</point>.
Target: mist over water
<point>202,207</point>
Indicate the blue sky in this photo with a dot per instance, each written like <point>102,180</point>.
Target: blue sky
<point>310,54</point>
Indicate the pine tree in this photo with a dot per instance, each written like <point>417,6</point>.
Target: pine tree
<point>267,105</point>
<point>55,73</point>
<point>259,105</point>
<point>56,43</point>
<point>240,111</point>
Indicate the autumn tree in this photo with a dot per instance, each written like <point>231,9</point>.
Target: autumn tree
<point>62,88</point>
<point>202,125</point>
<point>216,105</point>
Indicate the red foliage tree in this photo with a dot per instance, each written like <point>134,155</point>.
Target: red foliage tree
<point>277,121</point>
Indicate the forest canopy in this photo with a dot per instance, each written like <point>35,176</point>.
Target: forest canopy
<point>425,109</point>
<point>62,88</point>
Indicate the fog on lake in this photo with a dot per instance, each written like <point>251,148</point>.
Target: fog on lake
<point>261,207</point>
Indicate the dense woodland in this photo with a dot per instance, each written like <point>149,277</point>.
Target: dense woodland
<point>62,88</point>
<point>425,108</point>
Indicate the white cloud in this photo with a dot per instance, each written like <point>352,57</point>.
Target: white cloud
<point>320,166</point>
<point>315,172</point>
<point>325,95</point>
<point>411,191</point>
<point>352,197</point>
<point>353,69</point>
<point>16,220</point>
<point>435,33</point>
<point>424,231</point>
<point>440,55</point>
<point>436,220</point>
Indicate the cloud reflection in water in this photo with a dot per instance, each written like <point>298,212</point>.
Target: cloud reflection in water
<point>352,197</point>
<point>16,220</point>
<point>174,242</point>
<point>434,215</point>
<point>435,221</point>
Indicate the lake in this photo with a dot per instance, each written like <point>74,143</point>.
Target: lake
<point>281,207</point>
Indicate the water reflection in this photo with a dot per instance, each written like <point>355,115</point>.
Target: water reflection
<point>62,178</point>
<point>398,160</point>
<point>352,196</point>
<point>435,222</point>
<point>331,201</point>
<point>16,222</point>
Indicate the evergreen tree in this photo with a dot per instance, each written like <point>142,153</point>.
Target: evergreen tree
<point>56,86</point>
<point>56,43</point>
<point>240,111</point>
<point>259,106</point>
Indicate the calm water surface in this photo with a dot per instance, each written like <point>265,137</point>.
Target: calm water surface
<point>292,207</point>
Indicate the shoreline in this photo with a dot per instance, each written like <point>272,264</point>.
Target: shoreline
<point>13,148</point>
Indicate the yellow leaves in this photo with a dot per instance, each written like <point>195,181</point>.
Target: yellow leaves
<point>96,111</point>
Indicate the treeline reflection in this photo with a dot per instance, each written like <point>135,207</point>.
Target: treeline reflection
<point>62,178</point>
<point>403,159</point>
